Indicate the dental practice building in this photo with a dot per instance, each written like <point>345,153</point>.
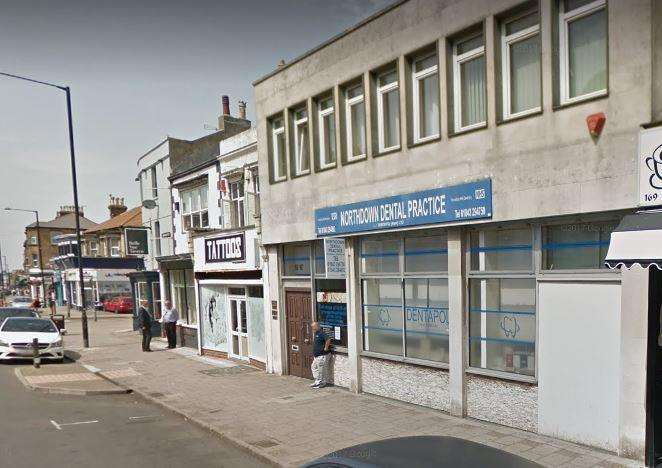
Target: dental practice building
<point>440,184</point>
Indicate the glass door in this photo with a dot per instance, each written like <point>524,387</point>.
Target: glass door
<point>238,328</point>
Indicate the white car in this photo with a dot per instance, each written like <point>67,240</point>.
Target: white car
<point>22,302</point>
<point>17,333</point>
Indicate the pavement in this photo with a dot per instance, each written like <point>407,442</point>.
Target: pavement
<point>280,418</point>
<point>101,431</point>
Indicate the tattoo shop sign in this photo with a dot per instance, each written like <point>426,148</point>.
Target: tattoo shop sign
<point>225,249</point>
<point>650,167</point>
<point>440,205</point>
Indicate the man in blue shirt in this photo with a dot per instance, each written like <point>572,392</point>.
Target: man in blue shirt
<point>321,345</point>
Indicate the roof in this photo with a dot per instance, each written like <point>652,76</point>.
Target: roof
<point>130,218</point>
<point>335,38</point>
<point>66,221</point>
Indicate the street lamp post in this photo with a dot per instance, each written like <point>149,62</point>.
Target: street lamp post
<point>41,263</point>
<point>74,181</point>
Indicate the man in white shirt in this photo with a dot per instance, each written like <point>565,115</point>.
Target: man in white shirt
<point>170,317</point>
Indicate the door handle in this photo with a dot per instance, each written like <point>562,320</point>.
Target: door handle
<point>295,348</point>
<point>294,338</point>
<point>306,341</point>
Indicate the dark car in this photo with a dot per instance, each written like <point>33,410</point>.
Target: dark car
<point>421,451</point>
<point>6,312</point>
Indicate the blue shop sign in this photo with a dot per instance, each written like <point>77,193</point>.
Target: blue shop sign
<point>441,205</point>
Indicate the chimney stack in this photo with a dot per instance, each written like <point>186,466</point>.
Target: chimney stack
<point>242,110</point>
<point>226,104</point>
<point>67,209</point>
<point>116,206</point>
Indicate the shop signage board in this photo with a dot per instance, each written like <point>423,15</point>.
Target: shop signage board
<point>462,202</point>
<point>650,167</point>
<point>334,257</point>
<point>136,241</point>
<point>225,249</point>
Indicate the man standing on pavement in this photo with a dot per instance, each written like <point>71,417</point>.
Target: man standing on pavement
<point>170,317</point>
<point>145,321</point>
<point>321,345</point>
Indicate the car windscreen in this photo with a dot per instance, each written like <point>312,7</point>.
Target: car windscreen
<point>5,313</point>
<point>29,325</point>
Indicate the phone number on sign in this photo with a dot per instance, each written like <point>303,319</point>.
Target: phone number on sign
<point>470,212</point>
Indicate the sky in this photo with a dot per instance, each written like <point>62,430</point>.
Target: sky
<point>139,70</point>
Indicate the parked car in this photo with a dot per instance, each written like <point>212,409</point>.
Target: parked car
<point>124,305</point>
<point>6,312</point>
<point>22,302</point>
<point>17,334</point>
<point>99,305</point>
<point>108,304</point>
<point>421,451</point>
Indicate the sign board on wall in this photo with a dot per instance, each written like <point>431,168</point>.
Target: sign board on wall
<point>441,205</point>
<point>334,257</point>
<point>136,241</point>
<point>225,249</point>
<point>650,167</point>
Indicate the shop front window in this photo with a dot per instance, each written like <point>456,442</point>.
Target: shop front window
<point>296,260</point>
<point>576,246</point>
<point>502,301</point>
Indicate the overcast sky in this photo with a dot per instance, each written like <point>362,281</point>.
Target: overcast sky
<point>139,70</point>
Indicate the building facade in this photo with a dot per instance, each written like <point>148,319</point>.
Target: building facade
<point>440,183</point>
<point>194,176</point>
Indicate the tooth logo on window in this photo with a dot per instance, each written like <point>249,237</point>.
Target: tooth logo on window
<point>509,326</point>
<point>384,317</point>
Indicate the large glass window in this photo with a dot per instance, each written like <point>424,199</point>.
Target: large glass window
<point>388,111</point>
<point>470,109</point>
<point>301,142</point>
<point>520,55</point>
<point>426,254</point>
<point>382,316</point>
<point>380,255</point>
<point>583,49</point>
<point>327,133</point>
<point>278,149</point>
<point>237,214</point>
<point>425,87</point>
<point>194,208</point>
<point>296,260</point>
<point>182,293</point>
<point>576,246</point>
<point>355,123</point>
<point>502,301</point>
<point>426,317</point>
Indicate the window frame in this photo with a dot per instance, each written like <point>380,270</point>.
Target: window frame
<point>565,18</point>
<point>382,91</point>
<point>94,252</point>
<point>184,213</point>
<point>112,247</point>
<point>238,202</point>
<point>458,61</point>
<point>275,133</point>
<point>296,124</point>
<point>157,238</point>
<point>417,77</point>
<point>506,42</point>
<point>349,103</point>
<point>154,186</point>
<point>321,115</point>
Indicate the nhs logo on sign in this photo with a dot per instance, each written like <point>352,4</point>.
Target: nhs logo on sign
<point>441,205</point>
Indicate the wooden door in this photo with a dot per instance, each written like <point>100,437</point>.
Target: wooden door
<point>299,334</point>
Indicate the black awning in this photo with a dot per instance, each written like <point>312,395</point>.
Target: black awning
<point>637,241</point>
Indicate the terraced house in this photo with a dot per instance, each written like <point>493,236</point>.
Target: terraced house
<point>441,185</point>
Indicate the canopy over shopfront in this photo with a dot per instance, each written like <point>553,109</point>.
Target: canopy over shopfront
<point>637,240</point>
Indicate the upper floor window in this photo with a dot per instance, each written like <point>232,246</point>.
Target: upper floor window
<point>236,189</point>
<point>576,246</point>
<point>155,191</point>
<point>301,142</point>
<point>469,100</point>
<point>355,123</point>
<point>279,162</point>
<point>583,49</point>
<point>194,208</point>
<point>327,133</point>
<point>54,234</point>
<point>425,87</point>
<point>33,240</point>
<point>520,65</point>
<point>94,249</point>
<point>255,177</point>
<point>388,111</point>
<point>114,247</point>
<point>35,260</point>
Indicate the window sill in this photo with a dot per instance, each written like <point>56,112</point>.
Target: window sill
<point>386,151</point>
<point>517,118</point>
<point>354,159</point>
<point>424,141</point>
<point>326,168</point>
<point>502,375</point>
<point>464,131</point>
<point>404,360</point>
<point>582,100</point>
<point>279,180</point>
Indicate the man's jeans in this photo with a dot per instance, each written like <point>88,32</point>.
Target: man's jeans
<point>318,367</point>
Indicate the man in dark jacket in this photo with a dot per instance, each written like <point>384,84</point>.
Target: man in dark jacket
<point>145,321</point>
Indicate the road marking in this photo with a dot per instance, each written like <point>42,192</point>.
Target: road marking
<point>137,418</point>
<point>91,368</point>
<point>59,426</point>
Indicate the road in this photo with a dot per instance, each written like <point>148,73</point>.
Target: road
<point>102,431</point>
